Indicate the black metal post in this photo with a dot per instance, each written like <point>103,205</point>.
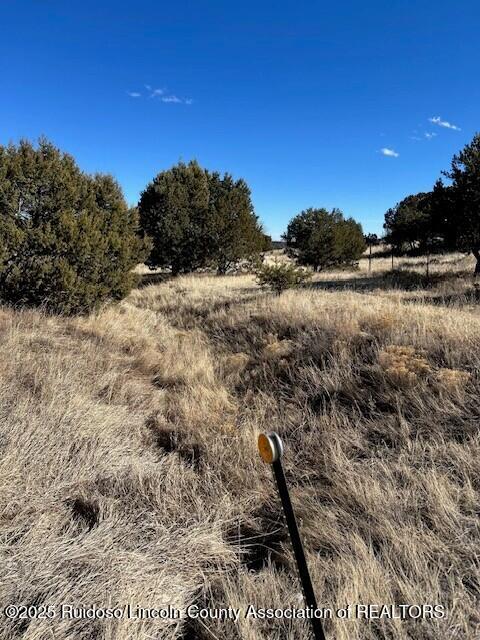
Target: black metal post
<point>273,456</point>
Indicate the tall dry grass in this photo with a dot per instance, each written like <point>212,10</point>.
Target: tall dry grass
<point>129,470</point>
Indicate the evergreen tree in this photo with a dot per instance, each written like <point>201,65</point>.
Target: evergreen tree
<point>349,241</point>
<point>408,224</point>
<point>442,206</point>
<point>68,241</point>
<point>464,215</point>
<point>174,212</point>
<point>267,243</point>
<point>323,239</point>
<point>198,218</point>
<point>236,232</point>
<point>281,276</point>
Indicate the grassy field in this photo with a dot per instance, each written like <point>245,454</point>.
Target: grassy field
<point>129,471</point>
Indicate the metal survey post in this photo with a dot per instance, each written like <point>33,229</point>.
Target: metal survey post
<point>270,447</point>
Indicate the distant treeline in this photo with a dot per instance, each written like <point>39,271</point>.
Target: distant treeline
<point>69,241</point>
<point>445,218</point>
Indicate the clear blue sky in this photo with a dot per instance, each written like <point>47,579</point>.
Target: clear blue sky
<point>299,98</point>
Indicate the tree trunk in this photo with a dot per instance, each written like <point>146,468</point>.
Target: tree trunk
<point>222,266</point>
<point>476,253</point>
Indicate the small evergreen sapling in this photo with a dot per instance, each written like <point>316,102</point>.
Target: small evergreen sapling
<point>281,276</point>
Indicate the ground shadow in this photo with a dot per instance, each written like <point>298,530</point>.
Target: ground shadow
<point>153,278</point>
<point>398,279</point>
<point>466,298</point>
<point>364,283</point>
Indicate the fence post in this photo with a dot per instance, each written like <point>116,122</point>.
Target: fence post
<point>270,447</point>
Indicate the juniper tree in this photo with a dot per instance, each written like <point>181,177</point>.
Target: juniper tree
<point>198,218</point>
<point>464,215</point>
<point>174,212</point>
<point>68,241</point>
<point>281,276</point>
<point>349,241</point>
<point>409,223</point>
<point>236,232</point>
<point>323,239</point>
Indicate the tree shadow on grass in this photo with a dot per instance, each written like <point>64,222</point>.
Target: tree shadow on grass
<point>364,283</point>
<point>398,279</point>
<point>147,279</point>
<point>463,299</point>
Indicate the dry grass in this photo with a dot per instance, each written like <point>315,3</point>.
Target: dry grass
<point>129,470</point>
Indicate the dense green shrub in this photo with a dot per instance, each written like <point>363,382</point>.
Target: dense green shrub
<point>68,241</point>
<point>408,223</point>
<point>281,276</point>
<point>323,239</point>
<point>199,219</point>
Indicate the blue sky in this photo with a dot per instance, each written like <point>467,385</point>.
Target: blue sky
<point>298,98</point>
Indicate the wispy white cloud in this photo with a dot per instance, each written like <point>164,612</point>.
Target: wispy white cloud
<point>161,94</point>
<point>389,152</point>
<point>443,123</point>
<point>172,98</point>
<point>426,135</point>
